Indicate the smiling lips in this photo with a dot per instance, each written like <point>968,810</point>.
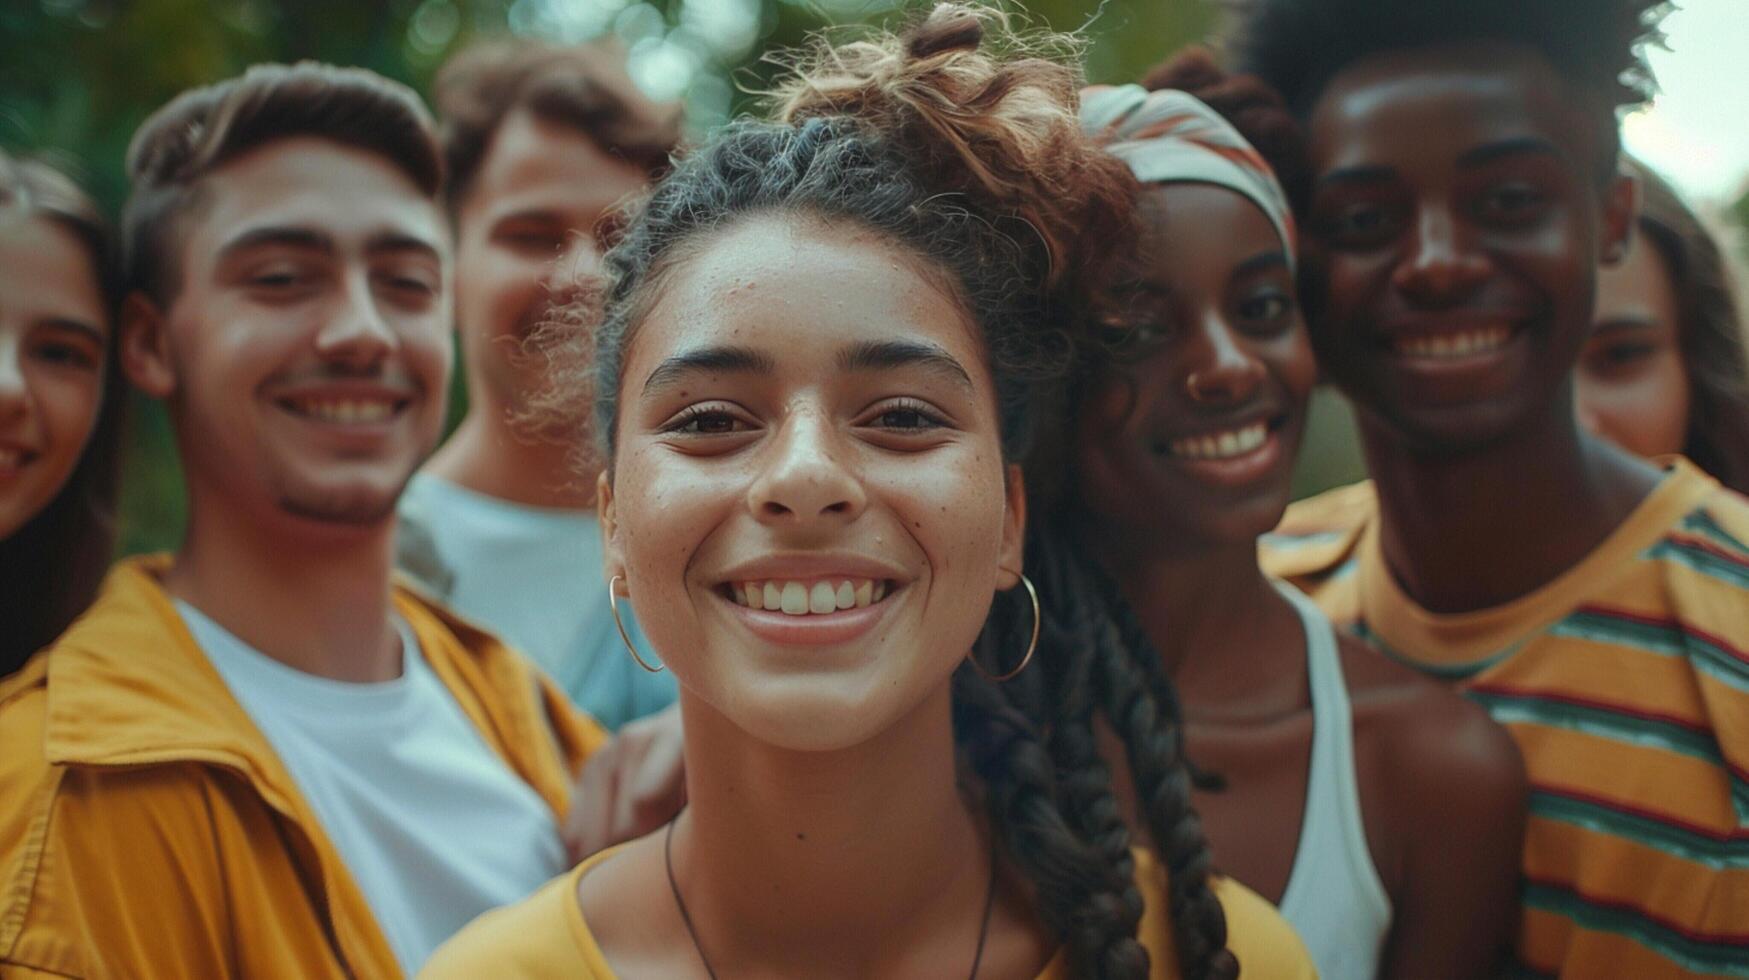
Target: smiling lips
<point>345,411</point>
<point>808,598</point>
<point>1453,343</point>
<point>1221,445</point>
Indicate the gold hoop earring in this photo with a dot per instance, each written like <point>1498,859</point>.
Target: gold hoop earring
<point>1031,647</point>
<point>613,607</point>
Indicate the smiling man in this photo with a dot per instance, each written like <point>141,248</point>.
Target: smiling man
<point>1462,189</point>
<point>257,757</point>
<point>544,144</point>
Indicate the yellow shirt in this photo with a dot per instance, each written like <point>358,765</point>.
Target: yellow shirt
<point>147,829</point>
<point>546,938</point>
<point>1625,682</point>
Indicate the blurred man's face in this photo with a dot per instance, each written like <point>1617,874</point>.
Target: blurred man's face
<point>537,214</point>
<point>1455,230</point>
<point>309,338</point>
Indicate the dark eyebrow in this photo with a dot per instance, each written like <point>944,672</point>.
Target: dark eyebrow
<point>878,355</point>
<point>395,241</point>
<point>724,358</point>
<point>305,238</point>
<point>75,326</point>
<point>551,215</point>
<point>1521,146</point>
<point>1623,324</point>
<point>1363,174</point>
<point>1261,262</point>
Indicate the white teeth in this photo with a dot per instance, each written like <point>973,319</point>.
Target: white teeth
<point>822,598</point>
<point>807,599</point>
<point>346,412</point>
<point>1224,445</point>
<point>1457,344</point>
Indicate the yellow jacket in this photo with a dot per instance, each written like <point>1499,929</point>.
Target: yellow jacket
<point>148,830</point>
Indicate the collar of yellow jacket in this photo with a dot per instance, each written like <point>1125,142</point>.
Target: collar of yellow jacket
<point>128,685</point>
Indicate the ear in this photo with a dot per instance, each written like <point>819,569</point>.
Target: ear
<point>612,557</point>
<point>1012,556</point>
<point>145,346</point>
<point>1621,206</point>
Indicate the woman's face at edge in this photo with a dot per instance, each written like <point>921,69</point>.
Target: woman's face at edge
<point>1631,384</point>
<point>805,418</point>
<point>1195,441</point>
<point>54,350</point>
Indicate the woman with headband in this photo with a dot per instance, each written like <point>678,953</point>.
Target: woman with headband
<point>1381,812</point>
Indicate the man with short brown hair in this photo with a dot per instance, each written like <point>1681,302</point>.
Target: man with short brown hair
<point>257,757</point>
<point>544,144</point>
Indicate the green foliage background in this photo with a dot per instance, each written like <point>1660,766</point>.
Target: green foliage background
<point>77,77</point>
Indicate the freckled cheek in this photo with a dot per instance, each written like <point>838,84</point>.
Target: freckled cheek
<point>956,518</point>
<point>666,511</point>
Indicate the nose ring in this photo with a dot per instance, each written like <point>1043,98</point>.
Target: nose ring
<point>1193,386</point>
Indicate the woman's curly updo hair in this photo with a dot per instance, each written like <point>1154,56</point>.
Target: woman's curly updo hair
<point>959,141</point>
<point>969,157</point>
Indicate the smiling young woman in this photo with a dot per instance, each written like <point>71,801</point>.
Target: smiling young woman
<point>1346,779</point>
<point>60,405</point>
<point>825,341</point>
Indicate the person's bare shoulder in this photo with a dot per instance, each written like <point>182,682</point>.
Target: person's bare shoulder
<point>1447,770</point>
<point>629,910</point>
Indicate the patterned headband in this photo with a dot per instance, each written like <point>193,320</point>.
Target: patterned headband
<point>1172,137</point>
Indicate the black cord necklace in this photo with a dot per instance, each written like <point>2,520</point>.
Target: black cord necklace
<point>668,859</point>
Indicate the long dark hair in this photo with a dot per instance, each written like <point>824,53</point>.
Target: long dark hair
<point>1709,332</point>
<point>51,567</point>
<point>975,162</point>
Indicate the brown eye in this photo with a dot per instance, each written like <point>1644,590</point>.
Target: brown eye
<point>1512,204</point>
<point>907,416</point>
<point>1266,307</point>
<point>707,420</point>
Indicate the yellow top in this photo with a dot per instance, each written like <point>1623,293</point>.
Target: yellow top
<point>545,937</point>
<point>1625,682</point>
<point>148,830</point>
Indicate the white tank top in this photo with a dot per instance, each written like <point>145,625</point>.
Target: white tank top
<point>1334,897</point>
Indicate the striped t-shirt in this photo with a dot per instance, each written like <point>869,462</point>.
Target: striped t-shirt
<point>1625,682</point>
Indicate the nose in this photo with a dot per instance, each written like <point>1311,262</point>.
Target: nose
<point>580,258</point>
<point>1222,370</point>
<point>803,479</point>
<point>358,334</point>
<point>14,395</point>
<point>1443,268</point>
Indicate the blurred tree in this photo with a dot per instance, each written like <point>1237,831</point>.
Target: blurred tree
<point>77,77</point>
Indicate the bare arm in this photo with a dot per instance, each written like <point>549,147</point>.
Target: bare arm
<point>1457,795</point>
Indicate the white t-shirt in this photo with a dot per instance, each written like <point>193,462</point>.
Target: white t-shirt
<point>532,575</point>
<point>433,824</point>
